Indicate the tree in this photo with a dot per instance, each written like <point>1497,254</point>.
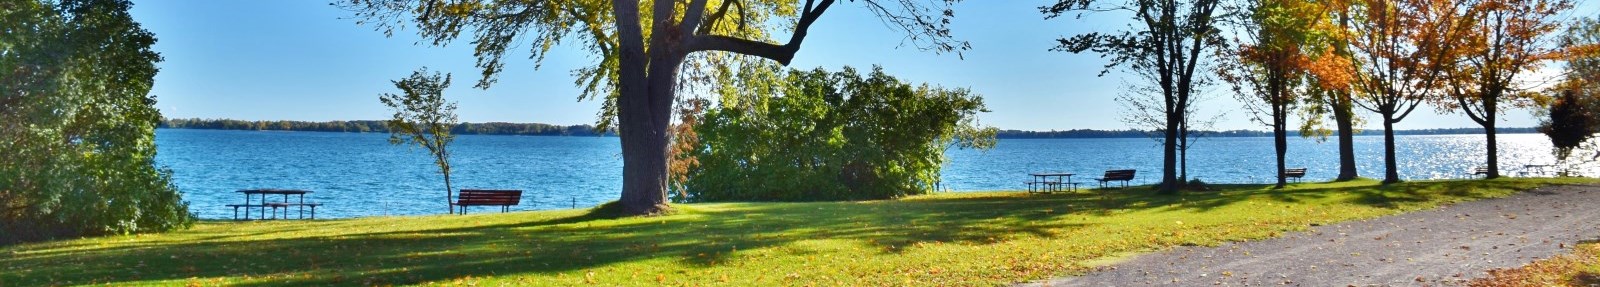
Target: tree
<point>1167,39</point>
<point>423,117</point>
<point>1141,101</point>
<point>1270,64</point>
<point>642,53</point>
<point>1570,122</point>
<point>1400,47</point>
<point>1503,39</point>
<point>829,136</point>
<point>77,124</point>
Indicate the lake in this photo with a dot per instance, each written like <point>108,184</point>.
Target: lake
<point>361,174</point>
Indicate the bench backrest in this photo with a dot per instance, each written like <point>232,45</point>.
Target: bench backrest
<point>490,196</point>
<point>1295,172</point>
<point>1119,174</point>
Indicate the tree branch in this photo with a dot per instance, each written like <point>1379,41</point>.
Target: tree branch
<point>783,54</point>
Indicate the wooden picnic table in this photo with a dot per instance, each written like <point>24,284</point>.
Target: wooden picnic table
<point>1537,169</point>
<point>1042,182</point>
<point>261,205</point>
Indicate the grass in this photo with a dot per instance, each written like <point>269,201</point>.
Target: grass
<point>1581,268</point>
<point>944,239</point>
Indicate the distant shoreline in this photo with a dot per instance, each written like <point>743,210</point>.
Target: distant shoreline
<point>538,129</point>
<point>371,126</point>
<point>1088,133</point>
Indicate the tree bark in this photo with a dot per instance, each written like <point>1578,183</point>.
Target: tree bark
<point>449,202</point>
<point>1169,155</point>
<point>644,166</point>
<point>1492,145</point>
<point>1390,173</point>
<point>1280,142</point>
<point>1343,117</point>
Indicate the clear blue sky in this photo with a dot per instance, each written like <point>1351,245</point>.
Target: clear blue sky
<point>299,60</point>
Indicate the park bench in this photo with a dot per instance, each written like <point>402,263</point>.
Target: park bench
<point>1123,175</point>
<point>1482,170</point>
<point>488,197</point>
<point>1295,173</point>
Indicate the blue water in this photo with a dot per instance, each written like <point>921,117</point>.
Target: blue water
<point>361,174</point>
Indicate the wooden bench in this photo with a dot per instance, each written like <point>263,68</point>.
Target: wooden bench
<point>487,197</point>
<point>1482,170</point>
<point>1295,173</point>
<point>1123,175</point>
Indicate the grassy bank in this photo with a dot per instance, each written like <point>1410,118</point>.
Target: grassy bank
<point>1580,268</point>
<point>945,239</point>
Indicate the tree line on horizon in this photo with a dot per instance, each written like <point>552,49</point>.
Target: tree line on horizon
<point>540,129</point>
<point>375,126</point>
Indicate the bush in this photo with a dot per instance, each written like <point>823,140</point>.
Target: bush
<point>830,136</point>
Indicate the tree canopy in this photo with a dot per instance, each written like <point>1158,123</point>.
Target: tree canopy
<point>77,124</point>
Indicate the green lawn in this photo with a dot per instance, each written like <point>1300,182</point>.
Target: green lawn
<point>945,239</point>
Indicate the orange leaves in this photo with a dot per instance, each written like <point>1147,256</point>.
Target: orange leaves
<point>1332,72</point>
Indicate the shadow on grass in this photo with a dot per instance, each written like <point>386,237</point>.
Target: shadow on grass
<point>338,252</point>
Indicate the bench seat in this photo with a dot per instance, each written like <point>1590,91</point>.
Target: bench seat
<point>1123,175</point>
<point>1295,173</point>
<point>505,198</point>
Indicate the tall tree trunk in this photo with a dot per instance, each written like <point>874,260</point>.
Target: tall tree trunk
<point>1183,154</point>
<point>1492,145</point>
<point>1390,173</point>
<point>1169,155</point>
<point>644,150</point>
<point>644,140</point>
<point>1343,116</point>
<point>1280,142</point>
<point>1280,123</point>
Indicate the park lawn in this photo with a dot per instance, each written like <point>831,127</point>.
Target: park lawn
<point>944,239</point>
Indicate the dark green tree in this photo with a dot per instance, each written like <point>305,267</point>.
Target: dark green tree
<point>77,124</point>
<point>1168,40</point>
<point>1570,122</point>
<point>423,117</point>
<point>830,136</point>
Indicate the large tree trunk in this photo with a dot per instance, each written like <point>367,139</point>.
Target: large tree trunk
<point>644,139</point>
<point>1390,173</point>
<point>1343,116</point>
<point>644,147</point>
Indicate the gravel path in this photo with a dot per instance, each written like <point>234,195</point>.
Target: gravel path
<point>1444,246</point>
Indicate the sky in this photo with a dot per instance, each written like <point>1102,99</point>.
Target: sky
<point>309,61</point>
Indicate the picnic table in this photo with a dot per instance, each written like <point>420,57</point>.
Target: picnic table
<point>1042,182</point>
<point>261,204</point>
<point>1537,169</point>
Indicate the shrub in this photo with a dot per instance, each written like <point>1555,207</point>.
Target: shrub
<point>830,136</point>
